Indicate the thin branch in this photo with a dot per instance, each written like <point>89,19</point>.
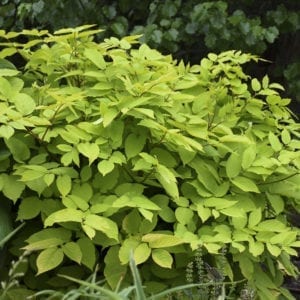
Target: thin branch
<point>279,180</point>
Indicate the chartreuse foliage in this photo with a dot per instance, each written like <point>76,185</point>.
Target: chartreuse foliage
<point>112,147</point>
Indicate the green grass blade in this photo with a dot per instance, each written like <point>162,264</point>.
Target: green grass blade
<point>136,279</point>
<point>189,286</point>
<point>106,292</point>
<point>10,235</point>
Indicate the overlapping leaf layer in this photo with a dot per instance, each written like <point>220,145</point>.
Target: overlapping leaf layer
<point>111,147</point>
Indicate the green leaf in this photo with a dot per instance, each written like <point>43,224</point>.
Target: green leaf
<point>105,225</point>
<point>255,84</point>
<point>64,184</point>
<point>74,201</point>
<point>231,138</point>
<point>245,184</point>
<point>203,212</point>
<point>89,150</point>
<point>272,226</point>
<point>90,232</point>
<point>274,141</point>
<point>44,244</point>
<point>128,245</point>
<point>132,222</point>
<point>108,114</point>
<point>167,180</point>
<point>8,72</point>
<point>133,200</point>
<point>24,103</point>
<point>160,240</point>
<point>113,269</point>
<point>49,233</point>
<point>163,258</point>
<point>141,253</point>
<point>49,259</point>
<point>265,82</point>
<point>29,208</point>
<point>105,167</point>
<point>19,150</point>
<point>148,215</point>
<point>12,187</point>
<point>248,156</point>
<point>48,178</point>
<point>64,215</point>
<point>285,238</point>
<point>233,165</point>
<point>233,212</point>
<point>254,217</point>
<point>134,144</point>
<point>164,157</point>
<point>6,131</point>
<point>85,173</point>
<point>273,249</point>
<point>88,252</point>
<point>256,248</point>
<point>95,57</point>
<point>285,136</point>
<point>5,88</point>
<point>73,251</point>
<point>246,266</point>
<point>184,215</point>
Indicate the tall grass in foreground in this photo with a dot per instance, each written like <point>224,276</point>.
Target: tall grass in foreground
<point>211,287</point>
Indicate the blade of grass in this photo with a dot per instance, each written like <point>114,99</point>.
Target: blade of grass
<point>189,286</point>
<point>106,292</point>
<point>10,235</point>
<point>136,279</point>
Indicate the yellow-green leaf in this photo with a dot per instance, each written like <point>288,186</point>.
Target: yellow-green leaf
<point>233,165</point>
<point>73,251</point>
<point>162,257</point>
<point>141,253</point>
<point>64,184</point>
<point>64,215</point>
<point>105,167</point>
<point>245,184</point>
<point>49,259</point>
<point>105,225</point>
<point>160,240</point>
<point>89,150</point>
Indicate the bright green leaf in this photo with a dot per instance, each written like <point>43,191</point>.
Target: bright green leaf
<point>245,184</point>
<point>160,240</point>
<point>24,103</point>
<point>248,156</point>
<point>89,150</point>
<point>141,253</point>
<point>274,141</point>
<point>73,251</point>
<point>254,217</point>
<point>162,257</point>
<point>184,215</point>
<point>64,184</point>
<point>95,57</point>
<point>64,215</point>
<point>49,259</point>
<point>105,225</point>
<point>105,167</point>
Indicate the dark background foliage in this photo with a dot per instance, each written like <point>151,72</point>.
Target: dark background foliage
<point>188,29</point>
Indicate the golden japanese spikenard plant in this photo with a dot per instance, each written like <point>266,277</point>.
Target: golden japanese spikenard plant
<point>111,147</point>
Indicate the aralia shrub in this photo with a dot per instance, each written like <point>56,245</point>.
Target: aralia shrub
<point>111,147</point>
